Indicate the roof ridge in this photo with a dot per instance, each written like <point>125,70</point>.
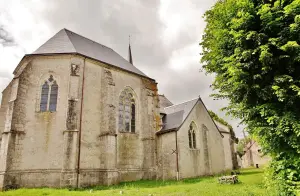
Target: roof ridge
<point>189,113</point>
<point>69,31</point>
<point>66,31</point>
<point>69,42</point>
<point>54,36</point>
<point>181,103</point>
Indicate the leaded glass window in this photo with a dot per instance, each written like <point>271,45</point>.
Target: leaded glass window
<point>44,97</point>
<point>49,95</point>
<point>190,139</point>
<point>192,136</point>
<point>127,112</point>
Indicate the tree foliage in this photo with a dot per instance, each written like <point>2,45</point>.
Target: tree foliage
<point>215,117</point>
<point>241,146</point>
<point>252,46</point>
<point>219,119</point>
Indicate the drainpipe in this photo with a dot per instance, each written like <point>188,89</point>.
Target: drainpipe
<point>177,165</point>
<point>80,125</point>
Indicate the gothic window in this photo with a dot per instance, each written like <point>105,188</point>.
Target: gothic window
<point>192,136</point>
<point>44,97</point>
<point>49,95</point>
<point>127,111</point>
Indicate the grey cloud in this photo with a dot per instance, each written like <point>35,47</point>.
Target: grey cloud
<point>5,38</point>
<point>3,83</point>
<point>5,75</point>
<point>110,23</point>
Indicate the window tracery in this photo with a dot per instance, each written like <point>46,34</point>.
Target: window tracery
<point>127,112</point>
<point>49,95</point>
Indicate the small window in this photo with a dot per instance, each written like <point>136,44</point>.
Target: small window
<point>44,97</point>
<point>194,139</point>
<point>49,95</point>
<point>190,139</point>
<point>132,117</point>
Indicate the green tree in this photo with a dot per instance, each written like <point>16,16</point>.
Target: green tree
<point>252,47</point>
<point>224,122</point>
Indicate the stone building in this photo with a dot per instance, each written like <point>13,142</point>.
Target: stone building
<point>254,157</point>
<point>229,143</point>
<point>78,114</point>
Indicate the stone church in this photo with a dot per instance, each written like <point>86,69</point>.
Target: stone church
<point>78,114</point>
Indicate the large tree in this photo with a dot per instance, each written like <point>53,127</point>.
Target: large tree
<point>252,47</point>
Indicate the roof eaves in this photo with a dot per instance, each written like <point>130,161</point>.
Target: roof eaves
<point>116,67</point>
<point>166,131</point>
<point>188,114</point>
<point>49,54</point>
<point>18,66</point>
<point>225,132</point>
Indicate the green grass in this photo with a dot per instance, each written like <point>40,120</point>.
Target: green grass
<point>251,184</point>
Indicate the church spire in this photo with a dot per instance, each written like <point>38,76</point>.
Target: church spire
<point>129,53</point>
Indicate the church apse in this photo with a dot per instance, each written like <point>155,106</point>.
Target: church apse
<point>63,126</point>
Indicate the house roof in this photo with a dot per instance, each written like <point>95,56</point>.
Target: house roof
<point>186,107</point>
<point>223,128</point>
<point>164,102</point>
<point>173,120</point>
<point>176,114</point>
<point>66,41</point>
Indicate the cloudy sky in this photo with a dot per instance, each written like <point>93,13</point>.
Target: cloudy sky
<point>165,36</point>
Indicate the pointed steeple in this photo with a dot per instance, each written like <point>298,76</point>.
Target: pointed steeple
<point>129,53</point>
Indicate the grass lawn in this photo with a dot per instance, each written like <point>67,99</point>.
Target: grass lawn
<point>251,184</point>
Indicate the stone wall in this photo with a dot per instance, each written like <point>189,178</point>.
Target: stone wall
<point>206,159</point>
<point>35,141</point>
<point>3,108</point>
<point>41,148</point>
<point>254,155</point>
<point>228,143</point>
<point>103,146</point>
<point>197,162</point>
<point>227,151</point>
<point>166,156</point>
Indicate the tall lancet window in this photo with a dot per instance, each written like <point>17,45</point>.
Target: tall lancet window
<point>192,136</point>
<point>49,95</point>
<point>127,111</point>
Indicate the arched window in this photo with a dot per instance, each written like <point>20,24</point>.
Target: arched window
<point>192,136</point>
<point>49,95</point>
<point>127,111</point>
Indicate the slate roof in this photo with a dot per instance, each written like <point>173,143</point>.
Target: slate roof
<point>176,114</point>
<point>173,120</point>
<point>222,128</point>
<point>186,107</point>
<point>66,41</point>
<point>164,101</point>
